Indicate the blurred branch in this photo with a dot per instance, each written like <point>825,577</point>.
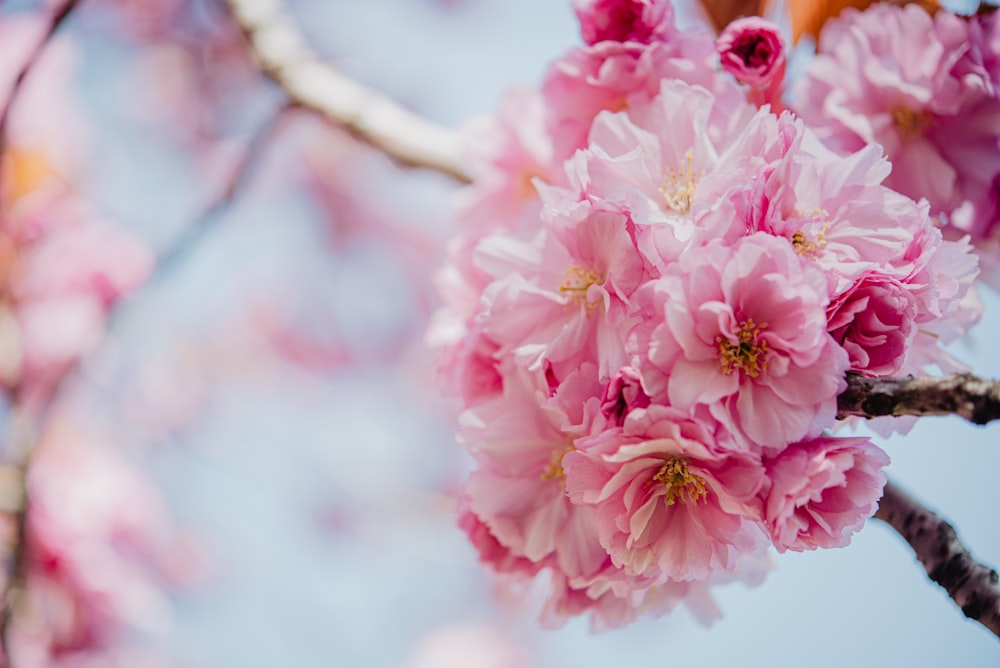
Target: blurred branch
<point>58,18</point>
<point>975,399</point>
<point>19,444</point>
<point>241,174</point>
<point>283,55</point>
<point>973,586</point>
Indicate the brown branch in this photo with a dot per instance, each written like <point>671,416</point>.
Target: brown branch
<point>973,586</point>
<point>283,55</point>
<point>21,441</point>
<point>968,396</point>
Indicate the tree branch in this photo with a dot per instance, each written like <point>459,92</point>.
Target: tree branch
<point>975,399</point>
<point>55,22</point>
<point>284,56</point>
<point>973,586</point>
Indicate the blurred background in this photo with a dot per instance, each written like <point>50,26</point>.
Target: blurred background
<point>212,313</point>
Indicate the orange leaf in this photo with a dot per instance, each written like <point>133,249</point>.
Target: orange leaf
<point>808,16</point>
<point>721,13</point>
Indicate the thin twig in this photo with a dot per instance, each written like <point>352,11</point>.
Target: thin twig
<point>973,586</point>
<point>55,22</point>
<point>284,56</point>
<point>973,398</point>
<point>240,176</point>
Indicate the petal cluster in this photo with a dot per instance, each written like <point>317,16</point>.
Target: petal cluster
<point>926,89</point>
<point>650,337</point>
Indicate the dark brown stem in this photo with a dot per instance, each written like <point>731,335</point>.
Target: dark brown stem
<point>283,55</point>
<point>975,399</point>
<point>973,586</point>
<point>21,441</point>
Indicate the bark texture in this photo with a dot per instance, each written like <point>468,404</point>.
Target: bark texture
<point>973,586</point>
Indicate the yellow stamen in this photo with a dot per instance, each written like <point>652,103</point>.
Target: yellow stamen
<point>748,354</point>
<point>909,122</point>
<point>679,187</point>
<point>682,485</point>
<point>577,281</point>
<point>554,470</point>
<point>524,189</point>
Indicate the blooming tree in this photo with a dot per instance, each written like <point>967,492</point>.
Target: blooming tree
<point>680,280</point>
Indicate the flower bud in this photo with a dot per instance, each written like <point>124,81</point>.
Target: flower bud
<point>753,51</point>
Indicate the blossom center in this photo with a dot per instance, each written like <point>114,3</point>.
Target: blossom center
<point>554,469</point>
<point>679,187</point>
<point>909,122</point>
<point>576,283</point>
<point>807,247</point>
<point>748,354</point>
<point>524,189</point>
<point>681,484</point>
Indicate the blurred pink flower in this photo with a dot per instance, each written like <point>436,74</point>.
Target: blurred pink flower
<point>921,87</point>
<point>822,491</point>
<point>624,20</point>
<point>615,76</point>
<point>100,551</point>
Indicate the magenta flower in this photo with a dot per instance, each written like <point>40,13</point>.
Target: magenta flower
<point>874,321</point>
<point>624,20</point>
<point>623,395</point>
<point>753,50</point>
<point>822,491</point>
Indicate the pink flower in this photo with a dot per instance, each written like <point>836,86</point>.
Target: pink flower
<point>492,553</point>
<point>100,550</point>
<point>631,164</point>
<point>563,299</point>
<point>671,501</point>
<point>874,321</point>
<point>468,368</point>
<point>623,395</point>
<point>520,440</point>
<point>822,491</point>
<point>921,87</point>
<point>624,20</point>
<point>616,76</point>
<point>753,51</point>
<point>742,330</point>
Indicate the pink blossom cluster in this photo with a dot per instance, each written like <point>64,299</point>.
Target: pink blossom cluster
<point>928,90</point>
<point>651,304</point>
<point>100,550</point>
<point>61,269</point>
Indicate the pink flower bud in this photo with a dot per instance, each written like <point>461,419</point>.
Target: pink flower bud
<point>624,20</point>
<point>752,50</point>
